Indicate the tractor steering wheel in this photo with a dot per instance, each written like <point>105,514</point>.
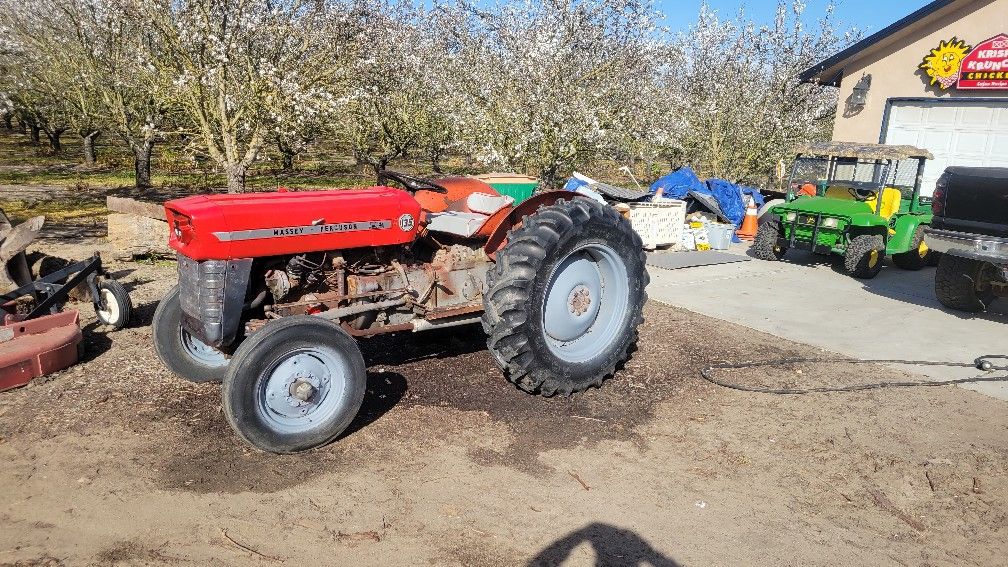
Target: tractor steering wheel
<point>863,194</point>
<point>410,183</point>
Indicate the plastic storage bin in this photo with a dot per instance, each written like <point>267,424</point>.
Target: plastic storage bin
<point>720,235</point>
<point>519,187</point>
<point>659,223</point>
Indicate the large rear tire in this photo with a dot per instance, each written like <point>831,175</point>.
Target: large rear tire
<point>294,385</point>
<point>964,284</point>
<point>182,353</point>
<point>565,298</point>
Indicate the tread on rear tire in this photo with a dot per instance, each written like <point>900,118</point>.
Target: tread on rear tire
<point>579,244</point>
<point>960,284</point>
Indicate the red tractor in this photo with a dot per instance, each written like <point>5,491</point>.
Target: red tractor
<point>275,288</point>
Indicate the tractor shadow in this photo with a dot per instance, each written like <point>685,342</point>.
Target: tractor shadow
<point>612,546</point>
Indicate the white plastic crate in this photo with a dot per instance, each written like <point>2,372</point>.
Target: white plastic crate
<point>659,223</point>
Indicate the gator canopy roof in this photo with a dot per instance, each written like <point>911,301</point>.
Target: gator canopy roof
<point>864,151</point>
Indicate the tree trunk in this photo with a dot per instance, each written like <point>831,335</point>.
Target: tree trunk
<point>90,156</point>
<point>435,160</point>
<point>236,178</point>
<point>35,134</point>
<point>54,139</point>
<point>141,162</point>
<point>287,160</point>
<point>8,121</point>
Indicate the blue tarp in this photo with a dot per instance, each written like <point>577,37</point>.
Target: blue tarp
<point>676,184</point>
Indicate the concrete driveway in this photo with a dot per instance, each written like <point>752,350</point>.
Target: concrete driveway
<point>807,299</point>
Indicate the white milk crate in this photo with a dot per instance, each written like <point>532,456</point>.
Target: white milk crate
<point>659,223</point>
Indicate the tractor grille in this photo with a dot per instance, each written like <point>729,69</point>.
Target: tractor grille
<point>201,293</point>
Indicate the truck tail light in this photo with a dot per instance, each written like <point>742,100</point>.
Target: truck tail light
<point>180,226</point>
<point>938,199</point>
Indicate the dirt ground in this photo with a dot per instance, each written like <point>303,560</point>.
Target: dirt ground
<point>117,462</point>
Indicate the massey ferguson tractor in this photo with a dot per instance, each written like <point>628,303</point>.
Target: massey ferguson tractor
<point>275,289</point>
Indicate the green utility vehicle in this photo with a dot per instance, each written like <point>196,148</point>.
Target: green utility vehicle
<point>861,201</point>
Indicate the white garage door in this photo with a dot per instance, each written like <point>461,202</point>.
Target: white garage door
<point>957,132</point>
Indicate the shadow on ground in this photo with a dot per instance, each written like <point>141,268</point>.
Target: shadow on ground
<point>612,546</point>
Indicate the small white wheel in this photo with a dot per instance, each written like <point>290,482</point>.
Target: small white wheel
<point>114,307</point>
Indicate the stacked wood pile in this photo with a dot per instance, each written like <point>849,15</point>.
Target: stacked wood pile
<point>137,228</point>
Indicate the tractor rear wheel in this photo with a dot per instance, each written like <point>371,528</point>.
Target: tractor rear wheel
<point>917,256</point>
<point>766,245</point>
<point>964,284</point>
<point>565,298</point>
<point>182,353</point>
<point>294,385</point>
<point>864,255</point>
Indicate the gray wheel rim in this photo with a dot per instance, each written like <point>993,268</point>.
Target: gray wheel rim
<point>586,303</point>
<point>200,351</point>
<point>303,389</point>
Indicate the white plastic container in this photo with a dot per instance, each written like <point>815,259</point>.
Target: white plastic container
<point>659,223</point>
<point>720,235</point>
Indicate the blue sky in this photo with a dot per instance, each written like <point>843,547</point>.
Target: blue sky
<point>868,15</point>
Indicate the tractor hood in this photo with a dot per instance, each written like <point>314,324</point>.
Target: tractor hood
<point>251,225</point>
<point>826,206</point>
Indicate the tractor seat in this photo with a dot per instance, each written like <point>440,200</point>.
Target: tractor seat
<point>465,210</point>
<point>891,199</point>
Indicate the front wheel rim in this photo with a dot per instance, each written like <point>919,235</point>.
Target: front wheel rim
<point>303,389</point>
<point>586,302</point>
<point>200,351</point>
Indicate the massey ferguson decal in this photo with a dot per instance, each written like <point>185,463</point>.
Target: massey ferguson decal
<point>986,67</point>
<point>955,64</point>
<point>302,230</point>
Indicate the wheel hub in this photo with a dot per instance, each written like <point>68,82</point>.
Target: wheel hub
<point>302,390</point>
<point>299,390</point>
<point>580,300</point>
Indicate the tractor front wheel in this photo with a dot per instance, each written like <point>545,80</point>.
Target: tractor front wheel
<point>766,245</point>
<point>864,255</point>
<point>565,298</point>
<point>294,385</point>
<point>182,353</point>
<point>917,256</point>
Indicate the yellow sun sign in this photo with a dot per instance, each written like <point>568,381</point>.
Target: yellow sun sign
<point>942,64</point>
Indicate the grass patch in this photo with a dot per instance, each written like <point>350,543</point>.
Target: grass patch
<point>71,210</point>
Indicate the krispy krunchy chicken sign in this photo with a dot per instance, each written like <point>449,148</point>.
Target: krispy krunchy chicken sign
<point>955,64</point>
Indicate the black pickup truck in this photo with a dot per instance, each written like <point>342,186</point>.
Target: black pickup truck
<point>970,229</point>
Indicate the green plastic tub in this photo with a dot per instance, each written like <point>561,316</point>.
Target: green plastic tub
<point>519,187</point>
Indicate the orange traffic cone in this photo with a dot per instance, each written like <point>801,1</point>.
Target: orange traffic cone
<point>749,223</point>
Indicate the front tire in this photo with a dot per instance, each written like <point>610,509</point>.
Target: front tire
<point>964,284</point>
<point>766,245</point>
<point>565,298</point>
<point>182,353</point>
<point>917,256</point>
<point>115,306</point>
<point>294,385</point>
<point>864,255</point>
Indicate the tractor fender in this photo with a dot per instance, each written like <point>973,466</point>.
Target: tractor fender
<point>498,238</point>
<point>905,227</point>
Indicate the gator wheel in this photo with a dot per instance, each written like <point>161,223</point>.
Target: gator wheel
<point>294,385</point>
<point>864,256</point>
<point>182,353</point>
<point>964,284</point>
<point>565,298</point>
<point>115,306</point>
<point>766,245</point>
<point>917,256</point>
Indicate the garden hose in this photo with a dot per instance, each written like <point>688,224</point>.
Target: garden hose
<point>985,363</point>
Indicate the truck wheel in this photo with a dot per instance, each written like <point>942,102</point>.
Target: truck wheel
<point>864,255</point>
<point>964,284</point>
<point>565,298</point>
<point>766,245</point>
<point>294,385</point>
<point>115,307</point>
<point>182,353</point>
<point>917,256</point>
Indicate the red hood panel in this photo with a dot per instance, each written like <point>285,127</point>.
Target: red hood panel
<point>250,225</point>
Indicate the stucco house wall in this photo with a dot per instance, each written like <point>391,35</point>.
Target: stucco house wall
<point>894,65</point>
